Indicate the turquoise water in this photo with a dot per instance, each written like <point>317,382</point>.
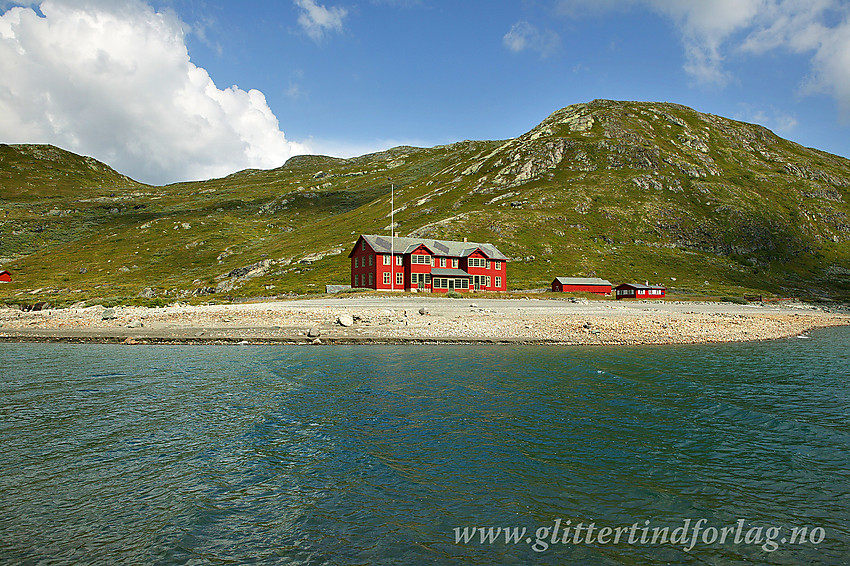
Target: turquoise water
<point>375,455</point>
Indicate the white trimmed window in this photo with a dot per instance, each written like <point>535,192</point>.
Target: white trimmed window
<point>498,282</point>
<point>399,260</point>
<point>371,258</point>
<point>386,259</point>
<point>487,281</point>
<point>454,263</point>
<point>442,262</point>
<point>356,280</point>
<point>371,279</point>
<point>399,278</point>
<point>386,277</point>
<point>477,262</point>
<point>421,259</point>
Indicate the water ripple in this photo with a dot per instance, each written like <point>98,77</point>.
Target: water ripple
<point>367,455</point>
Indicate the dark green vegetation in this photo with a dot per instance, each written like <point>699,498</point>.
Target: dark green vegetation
<point>628,191</point>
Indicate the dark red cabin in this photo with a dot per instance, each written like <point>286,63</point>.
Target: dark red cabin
<point>638,291</point>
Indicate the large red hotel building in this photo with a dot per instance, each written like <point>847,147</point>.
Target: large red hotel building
<point>434,266</point>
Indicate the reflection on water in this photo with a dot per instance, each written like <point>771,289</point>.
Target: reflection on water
<point>374,455</point>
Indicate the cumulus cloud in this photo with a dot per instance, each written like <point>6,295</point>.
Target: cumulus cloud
<point>113,80</point>
<point>317,20</point>
<point>524,36</point>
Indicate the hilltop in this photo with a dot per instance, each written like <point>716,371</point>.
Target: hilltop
<point>628,191</point>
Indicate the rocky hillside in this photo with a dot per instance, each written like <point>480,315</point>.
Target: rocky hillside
<point>628,191</point>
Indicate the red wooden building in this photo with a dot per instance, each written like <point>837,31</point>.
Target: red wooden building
<point>638,291</point>
<point>433,266</point>
<point>581,285</point>
<point>5,277</point>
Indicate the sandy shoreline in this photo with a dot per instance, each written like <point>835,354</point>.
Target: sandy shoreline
<point>393,320</point>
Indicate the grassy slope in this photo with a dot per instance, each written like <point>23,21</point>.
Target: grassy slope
<point>643,192</point>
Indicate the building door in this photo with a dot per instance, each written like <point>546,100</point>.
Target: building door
<point>476,281</point>
<point>421,282</point>
<point>451,284</point>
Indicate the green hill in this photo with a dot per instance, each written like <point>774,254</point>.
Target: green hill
<point>628,191</point>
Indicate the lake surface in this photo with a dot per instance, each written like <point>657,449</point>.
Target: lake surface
<point>393,455</point>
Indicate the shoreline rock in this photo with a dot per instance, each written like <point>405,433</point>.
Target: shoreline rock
<point>387,320</point>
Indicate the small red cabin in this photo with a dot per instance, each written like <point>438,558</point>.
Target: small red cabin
<point>581,285</point>
<point>638,291</point>
<point>5,277</point>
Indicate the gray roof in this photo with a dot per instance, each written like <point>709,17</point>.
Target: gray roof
<point>443,272</point>
<point>447,248</point>
<point>582,281</point>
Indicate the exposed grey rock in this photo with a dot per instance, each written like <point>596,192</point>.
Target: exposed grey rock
<point>345,320</point>
<point>314,333</point>
<point>253,270</point>
<point>147,293</point>
<point>336,288</point>
<point>423,311</point>
<point>108,314</point>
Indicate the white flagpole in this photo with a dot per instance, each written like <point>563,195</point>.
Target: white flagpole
<point>392,235</point>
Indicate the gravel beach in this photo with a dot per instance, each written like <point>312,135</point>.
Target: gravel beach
<point>406,319</point>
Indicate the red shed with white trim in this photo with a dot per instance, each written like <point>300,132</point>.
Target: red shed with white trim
<point>581,285</point>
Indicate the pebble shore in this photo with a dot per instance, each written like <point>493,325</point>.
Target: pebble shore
<point>356,320</point>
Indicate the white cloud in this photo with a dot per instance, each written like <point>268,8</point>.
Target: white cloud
<point>524,36</point>
<point>318,20</point>
<point>113,80</point>
<point>771,117</point>
<point>712,30</point>
<point>706,26</point>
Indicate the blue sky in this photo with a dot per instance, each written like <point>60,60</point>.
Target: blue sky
<point>171,90</point>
